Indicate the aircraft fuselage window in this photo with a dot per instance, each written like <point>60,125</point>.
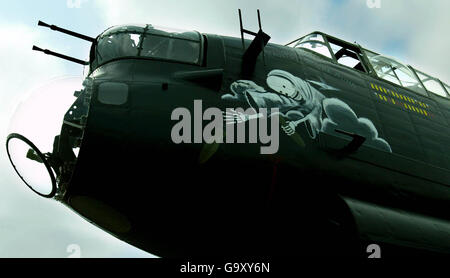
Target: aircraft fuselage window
<point>113,93</point>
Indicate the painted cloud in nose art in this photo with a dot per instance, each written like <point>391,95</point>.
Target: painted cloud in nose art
<point>342,117</point>
<point>300,103</point>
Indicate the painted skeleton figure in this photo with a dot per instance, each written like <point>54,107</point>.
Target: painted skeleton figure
<point>299,102</point>
<point>296,99</point>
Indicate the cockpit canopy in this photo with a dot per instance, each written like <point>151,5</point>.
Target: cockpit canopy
<point>356,57</point>
<point>148,42</point>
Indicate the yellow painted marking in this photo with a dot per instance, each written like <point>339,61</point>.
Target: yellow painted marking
<point>402,97</point>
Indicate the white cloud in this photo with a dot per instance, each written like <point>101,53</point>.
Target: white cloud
<point>21,69</point>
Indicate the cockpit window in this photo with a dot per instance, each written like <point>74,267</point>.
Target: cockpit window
<point>432,84</point>
<point>343,53</point>
<point>356,57</point>
<point>316,43</point>
<point>395,72</point>
<point>149,42</point>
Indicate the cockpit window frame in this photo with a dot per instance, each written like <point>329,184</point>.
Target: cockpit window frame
<point>446,87</point>
<point>437,80</point>
<point>368,66</point>
<point>344,44</point>
<point>323,42</point>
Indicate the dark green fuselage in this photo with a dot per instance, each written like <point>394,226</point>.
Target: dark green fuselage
<point>134,182</point>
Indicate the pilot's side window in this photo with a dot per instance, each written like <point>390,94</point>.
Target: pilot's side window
<point>112,93</point>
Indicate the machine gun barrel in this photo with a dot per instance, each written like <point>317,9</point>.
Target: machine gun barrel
<point>65,31</point>
<point>68,58</point>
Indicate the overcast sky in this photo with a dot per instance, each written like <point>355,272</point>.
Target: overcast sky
<point>414,31</point>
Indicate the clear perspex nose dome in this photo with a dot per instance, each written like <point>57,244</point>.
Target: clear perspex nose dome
<point>36,121</point>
